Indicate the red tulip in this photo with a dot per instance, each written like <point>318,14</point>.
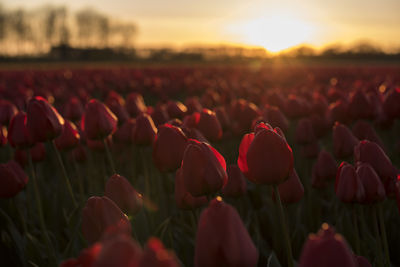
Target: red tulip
<point>69,138</point>
<point>321,124</point>
<point>373,154</point>
<point>120,250</point>
<point>145,131</point>
<point>98,145</point>
<point>98,215</point>
<point>222,239</point>
<point>38,154</point>
<point>7,111</point>
<point>275,117</point>
<point>209,125</point>
<point>359,106</point>
<point>159,115</point>
<point>223,117</point>
<point>183,199</point>
<point>304,132</point>
<point>116,104</point>
<point>73,109</point>
<point>43,120</point>
<point>391,104</point>
<point>203,168</point>
<point>155,255</point>
<point>125,133</point>
<point>326,248</point>
<point>176,109</point>
<point>243,114</point>
<point>3,135</point>
<point>168,148</point>
<point>323,170</point>
<point>265,157</point>
<point>363,130</point>
<point>373,187</point>
<point>18,134</point>
<point>86,258</point>
<point>348,186</point>
<point>338,111</point>
<point>311,150</point>
<point>98,121</point>
<point>292,190</point>
<point>13,179</point>
<point>193,105</point>
<point>236,185</point>
<point>135,104</point>
<point>119,190</point>
<point>343,141</point>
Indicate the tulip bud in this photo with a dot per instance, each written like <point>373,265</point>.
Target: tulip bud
<point>244,113</point>
<point>125,133</point>
<point>326,248</point>
<point>373,154</point>
<point>183,199</point>
<point>18,134</point>
<point>86,258</point>
<point>304,132</point>
<point>276,118</point>
<point>373,187</point>
<point>73,109</point>
<point>218,226</point>
<point>145,130</point>
<point>98,121</point>
<point>343,141</point>
<point>203,168</point>
<point>3,135</point>
<point>363,130</point>
<point>69,138</point>
<point>338,112</point>
<point>168,148</point>
<point>292,190</point>
<point>391,104</point>
<point>209,125</point>
<point>7,111</point>
<point>135,104</point>
<point>119,190</point>
<point>13,179</point>
<point>236,185</point>
<point>98,215</point>
<point>323,170</point>
<point>359,106</point>
<point>120,250</point>
<point>176,109</point>
<point>223,117</point>
<point>265,157</point>
<point>38,154</point>
<point>155,255</point>
<point>362,262</point>
<point>43,120</point>
<point>348,186</point>
<point>193,105</point>
<point>159,115</point>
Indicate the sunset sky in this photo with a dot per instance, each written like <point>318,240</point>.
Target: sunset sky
<point>275,25</point>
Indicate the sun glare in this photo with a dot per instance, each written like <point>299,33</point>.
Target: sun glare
<point>275,33</point>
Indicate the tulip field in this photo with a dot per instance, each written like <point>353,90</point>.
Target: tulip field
<point>202,165</point>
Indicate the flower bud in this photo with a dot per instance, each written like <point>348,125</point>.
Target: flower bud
<point>348,186</point>
<point>145,130</point>
<point>13,179</point>
<point>69,138</point>
<point>236,185</point>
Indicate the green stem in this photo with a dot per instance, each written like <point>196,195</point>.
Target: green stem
<point>64,173</point>
<point>383,233</point>
<point>355,225</point>
<point>109,157</point>
<point>284,228</point>
<point>377,237</point>
<point>40,208</point>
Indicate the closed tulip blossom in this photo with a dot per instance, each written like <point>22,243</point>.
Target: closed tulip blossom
<point>203,169</point>
<point>363,130</point>
<point>13,179</point>
<point>98,122</point>
<point>292,190</point>
<point>116,104</point>
<point>156,255</point>
<point>276,118</point>
<point>43,120</point>
<point>236,185</point>
<point>209,125</point>
<point>168,148</point>
<point>69,138</point>
<point>135,104</point>
<point>119,190</point>
<point>343,141</point>
<point>265,157</point>
<point>86,258</point>
<point>176,109</point>
<point>183,199</point>
<point>324,170</point>
<point>145,131</point>
<point>372,184</point>
<point>125,133</point>
<point>3,135</point>
<point>7,111</point>
<point>391,104</point>
<point>373,154</point>
<point>18,134</point>
<point>222,238</point>
<point>348,186</point>
<point>98,215</point>
<point>304,132</point>
<point>328,249</point>
<point>359,106</point>
<point>37,152</point>
<point>73,109</point>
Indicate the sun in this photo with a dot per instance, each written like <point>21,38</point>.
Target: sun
<point>275,33</point>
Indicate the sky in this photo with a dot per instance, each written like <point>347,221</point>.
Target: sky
<point>273,24</point>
